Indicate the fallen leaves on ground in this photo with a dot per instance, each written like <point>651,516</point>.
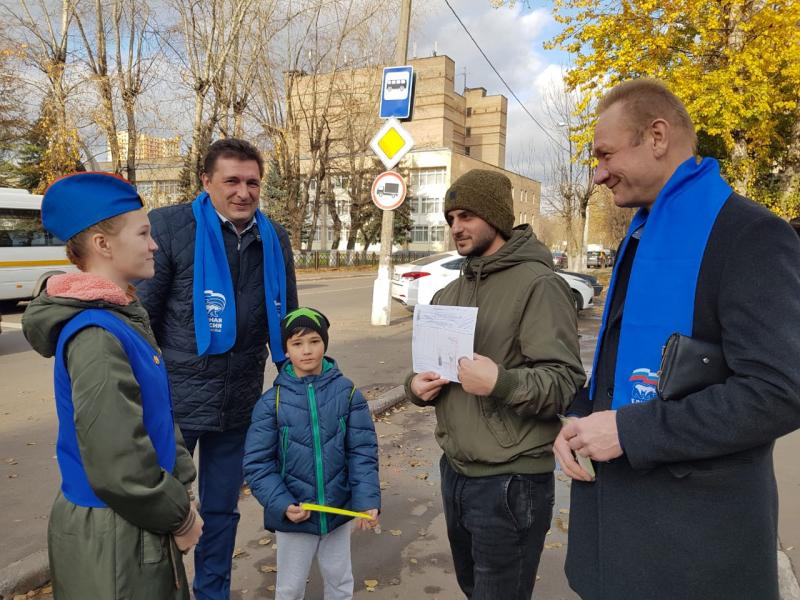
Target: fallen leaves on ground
<point>562,524</point>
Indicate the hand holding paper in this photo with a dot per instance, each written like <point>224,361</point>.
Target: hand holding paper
<point>426,386</point>
<point>478,375</point>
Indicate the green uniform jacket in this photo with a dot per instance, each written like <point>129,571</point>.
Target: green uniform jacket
<point>124,551</point>
<point>527,325</point>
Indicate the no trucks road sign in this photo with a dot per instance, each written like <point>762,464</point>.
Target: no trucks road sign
<point>388,190</point>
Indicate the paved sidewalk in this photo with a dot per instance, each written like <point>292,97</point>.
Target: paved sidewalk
<point>415,563</point>
<point>311,275</point>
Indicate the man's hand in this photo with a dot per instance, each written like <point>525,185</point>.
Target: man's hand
<point>594,436</point>
<point>189,540</point>
<point>567,460</point>
<point>426,386</point>
<point>368,523</point>
<point>296,514</point>
<point>477,376</point>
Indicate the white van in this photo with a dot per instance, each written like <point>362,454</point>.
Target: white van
<point>29,255</point>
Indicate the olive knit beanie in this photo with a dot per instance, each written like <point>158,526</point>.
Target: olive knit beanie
<point>486,194</point>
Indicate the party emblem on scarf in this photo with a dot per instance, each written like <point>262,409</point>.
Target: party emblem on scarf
<point>644,385</point>
<point>215,305</point>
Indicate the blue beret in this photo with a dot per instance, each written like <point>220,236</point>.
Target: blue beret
<point>76,202</point>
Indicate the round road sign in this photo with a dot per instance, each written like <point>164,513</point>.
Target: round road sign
<point>388,190</point>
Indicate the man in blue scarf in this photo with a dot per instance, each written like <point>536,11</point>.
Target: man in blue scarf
<point>684,502</point>
<point>224,279</point>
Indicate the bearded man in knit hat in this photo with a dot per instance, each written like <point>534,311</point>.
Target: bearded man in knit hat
<point>497,426</point>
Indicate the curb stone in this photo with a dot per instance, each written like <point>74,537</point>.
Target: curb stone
<point>787,581</point>
<point>320,276</point>
<point>24,575</point>
<point>387,400</point>
<point>33,571</point>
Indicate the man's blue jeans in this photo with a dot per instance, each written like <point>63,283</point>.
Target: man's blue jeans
<point>220,478</point>
<point>496,526</point>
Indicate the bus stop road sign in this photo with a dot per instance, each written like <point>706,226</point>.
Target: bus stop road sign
<point>388,190</point>
<point>391,143</point>
<point>397,92</point>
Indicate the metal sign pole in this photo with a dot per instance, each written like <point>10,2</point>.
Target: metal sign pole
<point>382,288</point>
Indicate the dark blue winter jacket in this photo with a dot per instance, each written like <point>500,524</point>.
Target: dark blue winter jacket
<point>312,440</point>
<point>210,393</point>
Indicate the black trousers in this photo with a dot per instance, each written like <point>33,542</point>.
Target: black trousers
<point>496,526</point>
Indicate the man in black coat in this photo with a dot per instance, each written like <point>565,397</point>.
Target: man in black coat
<point>214,393</point>
<point>684,503</point>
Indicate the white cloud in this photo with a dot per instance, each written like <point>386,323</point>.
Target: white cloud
<point>513,40</point>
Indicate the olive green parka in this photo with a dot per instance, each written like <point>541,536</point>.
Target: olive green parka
<point>527,325</point>
<point>125,551</point>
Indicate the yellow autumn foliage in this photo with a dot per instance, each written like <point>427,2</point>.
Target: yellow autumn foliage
<point>735,64</point>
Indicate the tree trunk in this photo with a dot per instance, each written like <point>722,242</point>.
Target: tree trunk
<point>739,156</point>
<point>314,219</point>
<point>355,227</point>
<point>133,140</point>
<point>789,197</point>
<point>296,229</point>
<point>330,202</point>
<point>109,124</point>
<point>194,150</point>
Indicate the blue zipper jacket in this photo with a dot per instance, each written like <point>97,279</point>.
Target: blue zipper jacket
<point>312,440</point>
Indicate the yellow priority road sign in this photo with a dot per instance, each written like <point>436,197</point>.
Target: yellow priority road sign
<point>391,143</point>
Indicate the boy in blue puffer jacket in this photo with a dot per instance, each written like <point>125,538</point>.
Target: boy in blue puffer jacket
<point>312,440</point>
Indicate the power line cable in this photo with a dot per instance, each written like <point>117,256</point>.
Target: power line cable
<point>508,87</point>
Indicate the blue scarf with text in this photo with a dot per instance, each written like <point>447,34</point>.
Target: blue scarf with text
<point>213,296</point>
<point>663,280</point>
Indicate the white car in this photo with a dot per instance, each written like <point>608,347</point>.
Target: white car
<point>416,282</point>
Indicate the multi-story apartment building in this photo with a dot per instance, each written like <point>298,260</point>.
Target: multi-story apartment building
<point>158,167</point>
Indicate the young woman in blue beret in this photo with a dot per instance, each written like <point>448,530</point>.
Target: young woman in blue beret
<point>124,513</point>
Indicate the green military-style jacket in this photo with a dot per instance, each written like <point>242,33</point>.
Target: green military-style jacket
<point>528,327</point>
<point>125,551</point>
